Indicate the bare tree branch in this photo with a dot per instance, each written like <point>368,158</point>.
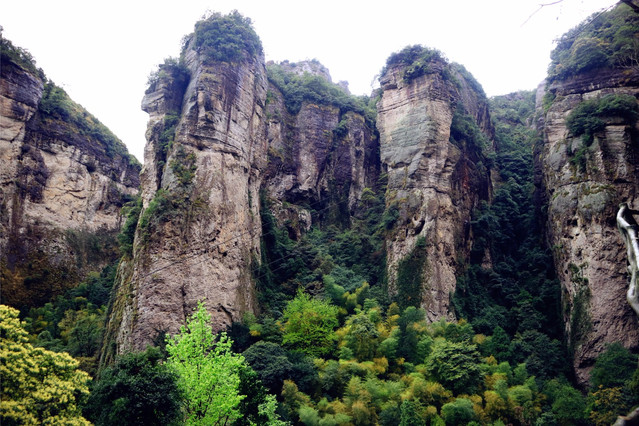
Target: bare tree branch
<point>541,6</point>
<point>631,4</point>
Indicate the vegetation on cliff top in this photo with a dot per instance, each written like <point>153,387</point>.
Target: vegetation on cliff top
<point>297,89</point>
<point>330,345</point>
<point>56,104</point>
<point>605,40</point>
<point>19,56</point>
<point>227,38</point>
<point>417,60</point>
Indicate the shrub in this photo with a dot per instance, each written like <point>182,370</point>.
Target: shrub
<point>126,236</point>
<point>416,59</point>
<point>297,89</point>
<point>138,389</point>
<point>309,325</point>
<point>227,38</point>
<point>614,367</point>
<point>604,40</point>
<point>589,116</point>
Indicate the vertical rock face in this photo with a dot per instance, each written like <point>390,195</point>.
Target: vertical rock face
<point>586,177</point>
<point>319,156</point>
<point>63,179</point>
<point>433,181</point>
<point>200,228</point>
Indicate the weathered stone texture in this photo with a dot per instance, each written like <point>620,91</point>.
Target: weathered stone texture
<point>312,163</point>
<point>205,249</point>
<point>433,182</point>
<point>53,180</point>
<point>583,198</point>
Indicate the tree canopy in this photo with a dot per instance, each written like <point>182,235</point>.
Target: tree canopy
<point>38,385</point>
<point>207,369</point>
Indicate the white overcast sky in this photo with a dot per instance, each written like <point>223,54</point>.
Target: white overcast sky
<point>101,53</point>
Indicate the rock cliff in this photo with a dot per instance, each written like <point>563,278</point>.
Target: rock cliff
<point>436,174</point>
<point>63,179</point>
<point>199,230</point>
<point>321,155</point>
<point>586,173</point>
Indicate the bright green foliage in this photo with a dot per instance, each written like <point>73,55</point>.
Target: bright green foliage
<point>138,389</point>
<point>268,414</point>
<point>227,38</point>
<point>208,371</point>
<point>607,40</point>
<point>455,365</point>
<point>38,385</point>
<point>309,325</point>
<point>614,367</point>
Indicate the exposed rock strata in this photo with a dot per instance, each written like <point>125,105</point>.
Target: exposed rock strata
<point>60,189</point>
<point>313,163</point>
<point>201,197</point>
<point>432,182</point>
<point>583,197</point>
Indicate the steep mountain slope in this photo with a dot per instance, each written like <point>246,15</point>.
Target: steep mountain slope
<point>323,146</point>
<point>199,229</point>
<point>63,179</point>
<point>434,133</point>
<point>589,164</point>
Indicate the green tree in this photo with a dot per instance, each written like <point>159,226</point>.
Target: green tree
<point>208,371</point>
<point>362,337</point>
<point>605,405</point>
<point>270,363</point>
<point>309,325</point>
<point>410,415</point>
<point>458,412</point>
<point>569,406</point>
<point>258,407</point>
<point>455,365</point>
<point>227,38</point>
<point>614,367</point>
<point>37,385</point>
<point>138,389</point>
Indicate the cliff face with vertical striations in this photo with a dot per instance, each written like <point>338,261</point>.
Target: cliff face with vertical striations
<point>199,230</point>
<point>321,156</point>
<point>63,179</point>
<point>586,177</point>
<point>435,178</point>
<point>589,165</point>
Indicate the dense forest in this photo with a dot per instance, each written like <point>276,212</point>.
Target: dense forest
<point>330,346</point>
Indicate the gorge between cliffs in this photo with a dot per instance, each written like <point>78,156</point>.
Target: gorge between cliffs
<point>423,213</point>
